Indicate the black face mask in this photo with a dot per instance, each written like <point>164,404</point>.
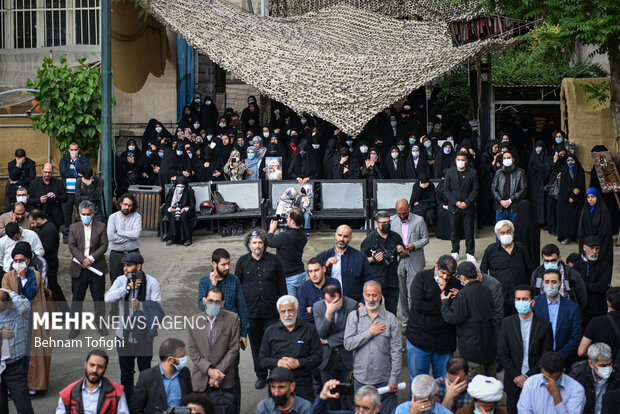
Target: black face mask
<point>279,400</point>
<point>385,228</point>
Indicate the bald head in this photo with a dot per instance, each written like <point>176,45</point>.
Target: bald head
<point>48,168</point>
<point>402,209</point>
<point>343,237</point>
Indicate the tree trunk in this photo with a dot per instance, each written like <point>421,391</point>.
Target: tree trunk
<point>614,69</point>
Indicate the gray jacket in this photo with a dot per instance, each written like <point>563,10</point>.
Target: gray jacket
<point>376,359</point>
<point>518,188</point>
<point>416,234</point>
<point>495,287</point>
<point>333,330</point>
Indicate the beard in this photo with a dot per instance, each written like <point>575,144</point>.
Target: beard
<point>220,273</point>
<point>341,245</point>
<point>125,211</point>
<point>288,321</point>
<point>93,378</point>
<point>258,252</point>
<point>373,305</point>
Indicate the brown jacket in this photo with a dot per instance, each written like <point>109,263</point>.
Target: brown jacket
<point>98,246</point>
<point>222,355</point>
<point>40,357</point>
<point>6,218</point>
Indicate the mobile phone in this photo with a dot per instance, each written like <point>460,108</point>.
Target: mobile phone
<point>344,388</point>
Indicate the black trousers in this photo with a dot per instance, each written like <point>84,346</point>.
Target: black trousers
<point>60,301</point>
<point>335,369</point>
<point>466,222</point>
<point>116,267</point>
<point>390,295</point>
<point>80,284</point>
<point>180,230</point>
<point>127,357</point>
<point>512,397</point>
<point>15,380</point>
<point>67,213</point>
<point>255,334</point>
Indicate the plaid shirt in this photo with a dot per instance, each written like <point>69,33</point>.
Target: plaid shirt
<point>460,401</point>
<point>16,319</point>
<point>233,297</point>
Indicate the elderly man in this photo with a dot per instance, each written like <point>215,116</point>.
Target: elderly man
<point>597,375</point>
<point>367,399</point>
<point>294,344</point>
<point>374,335</point>
<point>486,393</point>
<point>17,215</point>
<point>551,391</point>
<point>15,234</point>
<point>412,229</point>
<point>424,398</point>
<point>508,262</point>
<point>346,264</point>
<point>283,398</point>
<point>263,282</point>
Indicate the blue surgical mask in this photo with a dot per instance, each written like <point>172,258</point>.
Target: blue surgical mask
<point>86,219</point>
<point>302,154</point>
<point>179,153</point>
<point>523,306</point>
<point>181,364</point>
<point>571,164</point>
<point>477,411</point>
<point>551,265</point>
<point>436,278</point>
<point>213,309</point>
<point>161,154</point>
<point>559,140</point>
<point>251,155</point>
<point>349,143</point>
<point>411,141</point>
<point>447,150</point>
<point>393,123</point>
<point>149,153</point>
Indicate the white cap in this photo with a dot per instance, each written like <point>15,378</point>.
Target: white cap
<point>485,389</point>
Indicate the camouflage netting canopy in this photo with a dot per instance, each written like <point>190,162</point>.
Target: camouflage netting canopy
<point>340,63</point>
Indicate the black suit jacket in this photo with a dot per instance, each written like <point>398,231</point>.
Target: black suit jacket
<point>149,394</point>
<point>510,347</point>
<point>467,191</point>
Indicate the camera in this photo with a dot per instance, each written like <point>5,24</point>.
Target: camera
<point>389,255</point>
<point>281,219</point>
<point>177,212</point>
<point>344,388</point>
<point>175,410</point>
<point>234,159</point>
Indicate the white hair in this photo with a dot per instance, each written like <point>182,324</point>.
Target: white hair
<point>423,386</point>
<point>502,223</point>
<point>286,300</point>
<point>599,350</point>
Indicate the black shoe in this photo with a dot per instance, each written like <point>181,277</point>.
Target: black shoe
<point>260,383</point>
<point>103,331</point>
<point>169,242</point>
<point>187,243</point>
<point>74,333</point>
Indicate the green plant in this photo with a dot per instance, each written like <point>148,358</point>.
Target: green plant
<point>70,101</point>
<point>455,92</point>
<point>600,92</point>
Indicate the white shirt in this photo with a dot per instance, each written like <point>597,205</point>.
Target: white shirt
<point>90,400</point>
<point>7,244</point>
<point>87,232</point>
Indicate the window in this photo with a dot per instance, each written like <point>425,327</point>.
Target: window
<point>47,23</point>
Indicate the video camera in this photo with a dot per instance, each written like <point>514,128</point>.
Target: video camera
<point>389,255</point>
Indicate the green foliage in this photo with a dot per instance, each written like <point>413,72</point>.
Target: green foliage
<point>455,92</point>
<point>599,92</point>
<point>70,99</point>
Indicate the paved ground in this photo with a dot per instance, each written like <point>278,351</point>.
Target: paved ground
<point>178,270</point>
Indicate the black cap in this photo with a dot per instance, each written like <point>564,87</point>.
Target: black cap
<point>132,258</point>
<point>467,269</point>
<point>281,374</point>
<point>592,241</point>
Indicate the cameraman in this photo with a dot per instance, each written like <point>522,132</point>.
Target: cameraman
<point>290,249</point>
<point>138,295</point>
<point>383,247</point>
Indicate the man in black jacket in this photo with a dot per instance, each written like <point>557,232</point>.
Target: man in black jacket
<point>573,287</point>
<point>262,282</point>
<point>165,384</point>
<point>596,276</point>
<point>21,173</point>
<point>523,339</point>
<point>461,190</point>
<point>509,187</point>
<point>290,249</point>
<point>48,193</point>
<point>471,311</point>
<point>430,340</point>
<point>48,233</point>
<point>597,375</point>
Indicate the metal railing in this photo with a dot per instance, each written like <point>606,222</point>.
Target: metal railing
<point>26,24</point>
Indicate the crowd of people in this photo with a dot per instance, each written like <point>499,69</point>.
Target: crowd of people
<point>326,336</point>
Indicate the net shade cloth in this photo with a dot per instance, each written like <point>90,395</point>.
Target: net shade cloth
<point>340,63</point>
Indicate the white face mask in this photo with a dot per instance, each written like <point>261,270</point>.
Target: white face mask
<point>158,129</point>
<point>406,107</point>
<point>460,164</point>
<point>316,146</point>
<point>209,137</point>
<point>212,145</point>
<point>604,372</point>
<point>222,124</point>
<point>363,149</point>
<point>415,154</point>
<point>538,150</point>
<point>427,144</point>
<point>179,152</point>
<point>21,265</point>
<point>505,239</point>
<point>207,102</point>
<point>401,147</point>
<point>131,148</point>
<point>21,199</point>
<point>395,155</point>
<point>507,162</point>
<point>196,126</point>
<point>266,134</point>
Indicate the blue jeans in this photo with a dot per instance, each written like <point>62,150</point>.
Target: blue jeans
<point>389,400</point>
<point>505,215</point>
<point>307,216</point>
<point>419,362</point>
<point>294,282</point>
